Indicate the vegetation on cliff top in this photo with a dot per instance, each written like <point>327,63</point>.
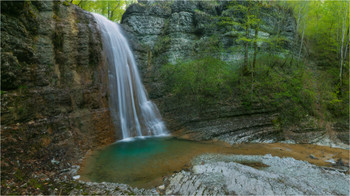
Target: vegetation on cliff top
<point>113,10</point>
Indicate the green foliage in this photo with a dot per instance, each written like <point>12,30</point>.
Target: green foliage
<point>35,183</point>
<point>209,46</point>
<point>65,3</point>
<point>22,88</point>
<point>275,43</point>
<point>230,17</point>
<point>333,99</point>
<point>112,9</point>
<point>203,79</point>
<point>323,23</point>
<point>162,43</point>
<point>283,83</point>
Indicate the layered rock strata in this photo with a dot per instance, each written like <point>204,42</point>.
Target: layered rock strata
<point>54,98</point>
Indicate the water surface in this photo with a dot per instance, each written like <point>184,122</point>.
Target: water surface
<point>144,162</point>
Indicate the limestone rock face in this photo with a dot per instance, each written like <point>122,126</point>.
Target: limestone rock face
<point>165,32</point>
<point>226,175</point>
<point>54,104</point>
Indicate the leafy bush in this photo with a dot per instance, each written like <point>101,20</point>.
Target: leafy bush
<point>335,99</point>
<point>202,79</point>
<point>296,90</point>
<point>282,83</point>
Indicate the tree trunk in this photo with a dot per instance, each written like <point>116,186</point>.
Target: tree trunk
<point>245,69</point>
<point>108,11</point>
<point>302,36</point>
<point>81,3</point>
<point>112,12</point>
<point>298,22</point>
<point>254,59</point>
<point>342,48</point>
<point>255,47</point>
<point>246,45</point>
<point>301,41</point>
<point>346,47</point>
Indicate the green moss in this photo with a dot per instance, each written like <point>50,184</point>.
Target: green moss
<point>161,45</point>
<point>29,10</point>
<point>66,3</point>
<point>202,13</point>
<point>35,183</point>
<point>209,45</point>
<point>276,122</point>
<point>19,175</point>
<point>22,88</point>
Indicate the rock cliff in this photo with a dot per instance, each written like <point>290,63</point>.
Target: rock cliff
<point>54,104</point>
<point>165,32</point>
<point>162,32</point>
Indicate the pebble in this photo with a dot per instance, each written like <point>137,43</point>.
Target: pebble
<point>53,161</point>
<point>330,161</point>
<point>313,157</point>
<point>161,187</point>
<point>76,177</point>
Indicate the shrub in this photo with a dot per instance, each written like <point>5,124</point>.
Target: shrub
<point>283,84</point>
<point>202,79</point>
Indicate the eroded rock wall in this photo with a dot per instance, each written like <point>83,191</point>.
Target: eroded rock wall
<point>165,32</point>
<point>54,103</point>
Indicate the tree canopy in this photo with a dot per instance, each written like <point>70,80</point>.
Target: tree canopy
<point>112,9</point>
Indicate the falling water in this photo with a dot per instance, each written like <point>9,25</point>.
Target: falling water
<point>129,106</point>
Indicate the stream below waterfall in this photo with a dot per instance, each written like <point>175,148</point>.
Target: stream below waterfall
<point>144,162</point>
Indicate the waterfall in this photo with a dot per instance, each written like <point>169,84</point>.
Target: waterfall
<point>130,108</point>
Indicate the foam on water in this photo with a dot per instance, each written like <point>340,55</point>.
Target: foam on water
<point>132,139</point>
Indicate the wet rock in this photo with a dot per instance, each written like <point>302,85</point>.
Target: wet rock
<point>339,162</point>
<point>161,187</point>
<point>312,156</point>
<point>76,177</point>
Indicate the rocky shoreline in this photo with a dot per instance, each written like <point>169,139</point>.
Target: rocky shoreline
<point>224,175</point>
<point>216,174</point>
<point>236,174</point>
<point>219,174</point>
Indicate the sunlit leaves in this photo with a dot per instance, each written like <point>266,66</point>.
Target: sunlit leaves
<point>112,9</point>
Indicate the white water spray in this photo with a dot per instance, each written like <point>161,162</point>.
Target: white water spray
<point>129,106</point>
